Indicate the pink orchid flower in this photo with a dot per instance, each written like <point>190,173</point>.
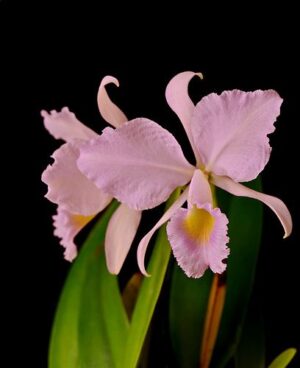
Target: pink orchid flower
<point>78,199</point>
<point>140,164</point>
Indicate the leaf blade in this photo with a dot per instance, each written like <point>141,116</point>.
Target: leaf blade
<point>148,295</point>
<point>188,305</point>
<point>251,348</point>
<point>245,228</point>
<point>283,359</point>
<point>84,279</point>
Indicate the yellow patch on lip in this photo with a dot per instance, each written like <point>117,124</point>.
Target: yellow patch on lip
<point>199,224</point>
<point>80,220</point>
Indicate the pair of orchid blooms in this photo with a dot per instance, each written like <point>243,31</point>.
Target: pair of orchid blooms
<point>140,164</point>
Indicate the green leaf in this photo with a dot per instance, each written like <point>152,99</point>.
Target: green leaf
<point>102,320</point>
<point>251,348</point>
<point>283,359</point>
<point>90,324</point>
<point>148,295</point>
<point>188,303</point>
<point>245,226</point>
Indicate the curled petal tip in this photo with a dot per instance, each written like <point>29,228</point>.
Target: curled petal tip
<point>289,228</point>
<point>200,75</point>
<point>109,110</point>
<point>108,79</point>
<point>275,204</point>
<point>116,82</point>
<point>140,259</point>
<point>142,266</point>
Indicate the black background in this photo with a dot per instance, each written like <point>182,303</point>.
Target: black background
<point>52,58</point>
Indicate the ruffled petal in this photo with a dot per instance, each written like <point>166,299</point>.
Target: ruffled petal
<point>178,99</point>
<point>68,187</point>
<point>108,110</point>
<point>119,235</point>
<point>200,191</point>
<point>64,125</point>
<point>198,237</point>
<point>66,227</point>
<point>139,163</point>
<point>276,205</point>
<point>230,130</point>
<point>142,247</point>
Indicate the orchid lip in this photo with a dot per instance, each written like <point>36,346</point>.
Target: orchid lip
<point>199,224</point>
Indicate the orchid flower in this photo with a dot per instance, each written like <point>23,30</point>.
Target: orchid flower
<point>78,199</point>
<point>140,164</point>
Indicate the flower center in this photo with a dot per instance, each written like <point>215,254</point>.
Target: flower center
<point>206,172</point>
<point>199,224</point>
<point>80,220</point>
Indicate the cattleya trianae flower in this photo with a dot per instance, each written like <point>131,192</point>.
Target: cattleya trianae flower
<point>141,164</point>
<point>78,199</point>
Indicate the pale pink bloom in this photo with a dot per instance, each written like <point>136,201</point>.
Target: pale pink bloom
<point>143,164</point>
<point>78,198</point>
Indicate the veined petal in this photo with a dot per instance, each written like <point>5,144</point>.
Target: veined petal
<point>139,163</point>
<point>119,235</point>
<point>276,205</point>
<point>68,187</point>
<point>199,189</point>
<point>142,247</point>
<point>230,130</point>
<point>64,125</point>
<point>198,237</point>
<point>66,227</point>
<point>108,110</point>
<point>178,99</point>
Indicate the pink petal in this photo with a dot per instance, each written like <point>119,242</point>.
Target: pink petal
<point>64,125</point>
<point>276,205</point>
<point>119,235</point>
<point>108,110</point>
<point>179,101</point>
<point>230,130</point>
<point>142,247</point>
<point>66,227</point>
<point>68,187</point>
<point>139,163</point>
<point>200,190</point>
<point>193,255</point>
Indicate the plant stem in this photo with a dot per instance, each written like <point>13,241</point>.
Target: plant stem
<point>213,319</point>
